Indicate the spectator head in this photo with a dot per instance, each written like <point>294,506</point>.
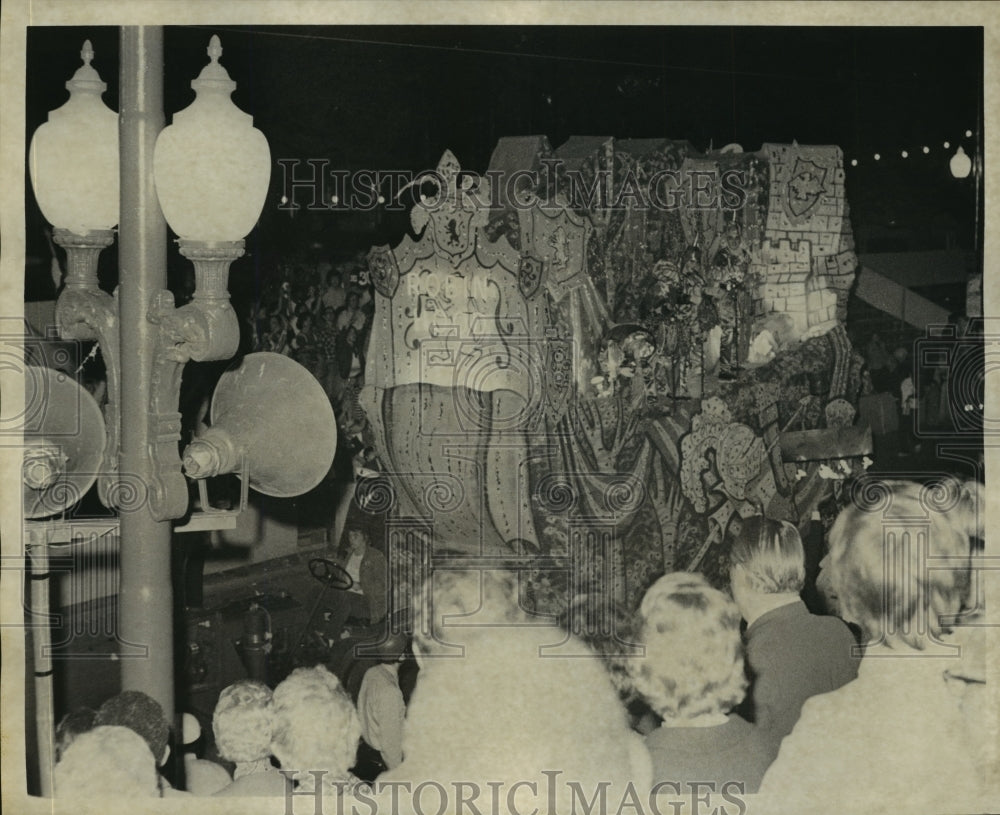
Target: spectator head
<point>243,721</point>
<point>451,594</point>
<point>485,706</point>
<point>877,567</point>
<point>71,725</point>
<point>766,557</point>
<point>693,663</point>
<point>394,648</point>
<point>137,711</point>
<point>315,725</point>
<point>108,760</point>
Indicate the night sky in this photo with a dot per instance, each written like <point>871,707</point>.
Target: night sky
<point>395,97</point>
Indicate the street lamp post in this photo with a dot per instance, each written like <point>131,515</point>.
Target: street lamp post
<point>209,171</point>
<point>145,594</point>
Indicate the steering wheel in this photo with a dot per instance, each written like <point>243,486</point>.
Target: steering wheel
<point>330,574</point>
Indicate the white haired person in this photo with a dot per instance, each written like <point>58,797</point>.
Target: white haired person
<point>506,715</point>
<point>109,760</point>
<point>692,675</point>
<point>316,733</point>
<point>792,654</point>
<point>900,562</point>
<point>243,724</point>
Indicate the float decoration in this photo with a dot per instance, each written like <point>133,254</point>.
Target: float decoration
<point>564,373</point>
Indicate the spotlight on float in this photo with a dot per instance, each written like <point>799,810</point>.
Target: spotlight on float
<point>64,441</point>
<point>272,423</point>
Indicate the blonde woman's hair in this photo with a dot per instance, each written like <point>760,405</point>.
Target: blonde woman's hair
<point>243,721</point>
<point>881,551</point>
<point>315,724</point>
<point>693,663</point>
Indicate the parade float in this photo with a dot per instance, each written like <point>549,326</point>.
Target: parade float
<point>590,361</point>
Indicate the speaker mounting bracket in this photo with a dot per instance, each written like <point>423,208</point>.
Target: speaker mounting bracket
<point>204,329</point>
<point>211,519</point>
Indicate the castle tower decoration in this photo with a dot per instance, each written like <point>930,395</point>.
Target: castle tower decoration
<point>807,259</point>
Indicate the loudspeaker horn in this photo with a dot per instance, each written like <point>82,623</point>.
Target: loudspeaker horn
<point>64,439</point>
<point>272,413</point>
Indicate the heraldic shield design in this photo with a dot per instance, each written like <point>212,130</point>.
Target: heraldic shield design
<point>805,187</point>
<point>383,270</point>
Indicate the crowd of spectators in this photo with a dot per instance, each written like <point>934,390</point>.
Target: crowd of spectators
<point>924,389</point>
<point>785,710</point>
<point>320,315</point>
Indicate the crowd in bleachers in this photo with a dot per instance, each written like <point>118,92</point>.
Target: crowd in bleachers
<point>787,709</point>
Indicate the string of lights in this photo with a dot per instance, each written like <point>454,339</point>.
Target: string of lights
<point>960,163</point>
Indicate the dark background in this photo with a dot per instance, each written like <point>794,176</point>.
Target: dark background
<point>395,97</point>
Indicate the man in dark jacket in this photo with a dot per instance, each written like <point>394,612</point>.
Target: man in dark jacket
<point>792,654</point>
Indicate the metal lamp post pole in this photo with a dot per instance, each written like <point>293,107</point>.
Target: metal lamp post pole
<point>146,593</point>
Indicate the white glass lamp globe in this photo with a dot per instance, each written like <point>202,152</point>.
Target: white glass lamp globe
<point>960,164</point>
<point>73,159</point>
<point>211,167</point>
